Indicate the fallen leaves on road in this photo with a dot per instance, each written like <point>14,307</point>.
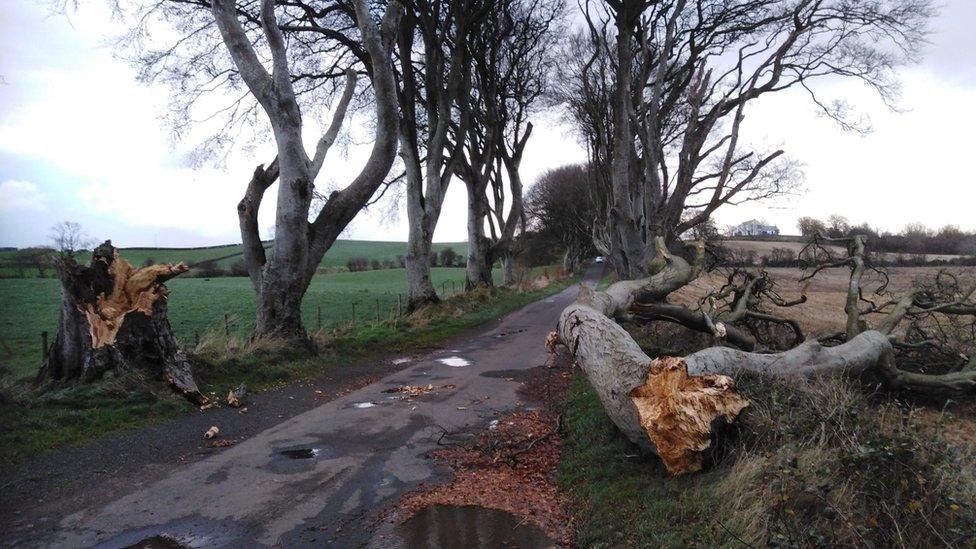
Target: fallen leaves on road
<point>417,390</point>
<point>221,443</point>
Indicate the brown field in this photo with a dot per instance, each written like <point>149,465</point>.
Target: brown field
<point>824,310</point>
<point>765,247</point>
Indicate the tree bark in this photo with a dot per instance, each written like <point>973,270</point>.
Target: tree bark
<point>114,321</point>
<point>420,289</point>
<point>479,262</point>
<point>508,269</point>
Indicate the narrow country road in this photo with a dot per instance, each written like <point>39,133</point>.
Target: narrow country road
<point>322,477</point>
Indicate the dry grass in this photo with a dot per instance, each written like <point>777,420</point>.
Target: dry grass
<point>816,464</point>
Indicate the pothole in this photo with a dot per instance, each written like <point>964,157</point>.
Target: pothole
<point>301,453</point>
<point>161,541</point>
<point>465,526</point>
<point>454,361</point>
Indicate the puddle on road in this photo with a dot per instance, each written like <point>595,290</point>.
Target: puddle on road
<point>162,541</point>
<point>301,453</point>
<point>296,459</point>
<point>454,361</point>
<point>462,527</point>
<point>364,405</point>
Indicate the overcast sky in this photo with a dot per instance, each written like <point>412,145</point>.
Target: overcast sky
<point>81,140</point>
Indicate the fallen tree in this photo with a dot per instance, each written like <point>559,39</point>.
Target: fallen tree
<point>114,320</point>
<point>669,405</point>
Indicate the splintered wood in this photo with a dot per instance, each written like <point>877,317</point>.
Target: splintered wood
<point>677,411</point>
<point>133,290</point>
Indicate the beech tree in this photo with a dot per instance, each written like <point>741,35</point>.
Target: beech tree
<point>661,97</point>
<point>660,91</point>
<point>512,59</point>
<point>327,46</point>
<point>435,88</point>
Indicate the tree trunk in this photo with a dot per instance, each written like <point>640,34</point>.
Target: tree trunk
<point>114,320</point>
<point>508,269</point>
<point>420,289</point>
<point>479,246</point>
<point>279,306</point>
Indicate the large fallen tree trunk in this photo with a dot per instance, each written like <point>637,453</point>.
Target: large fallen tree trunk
<point>114,319</point>
<point>669,405</point>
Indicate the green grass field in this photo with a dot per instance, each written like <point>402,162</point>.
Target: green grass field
<point>198,305</point>
<point>337,256</point>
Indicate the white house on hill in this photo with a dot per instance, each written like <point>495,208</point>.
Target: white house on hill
<point>754,227</point>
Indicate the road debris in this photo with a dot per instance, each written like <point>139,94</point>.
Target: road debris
<point>551,341</point>
<point>211,432</point>
<point>417,390</point>
<point>235,398</point>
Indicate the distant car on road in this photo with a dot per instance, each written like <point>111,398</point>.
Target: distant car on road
<point>599,259</point>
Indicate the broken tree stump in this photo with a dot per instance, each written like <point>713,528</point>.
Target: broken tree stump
<point>114,319</point>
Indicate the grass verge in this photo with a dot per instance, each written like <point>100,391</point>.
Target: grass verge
<point>810,464</point>
<point>32,424</point>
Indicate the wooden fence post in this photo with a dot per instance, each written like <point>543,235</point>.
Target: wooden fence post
<point>319,323</point>
<point>44,345</point>
<point>226,324</point>
<point>353,314</point>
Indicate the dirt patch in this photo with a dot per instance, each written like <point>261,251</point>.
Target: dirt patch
<point>509,465</point>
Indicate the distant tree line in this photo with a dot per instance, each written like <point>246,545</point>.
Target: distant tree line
<point>915,238</point>
<point>447,257</point>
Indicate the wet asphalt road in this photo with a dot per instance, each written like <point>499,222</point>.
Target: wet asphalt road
<point>324,476</point>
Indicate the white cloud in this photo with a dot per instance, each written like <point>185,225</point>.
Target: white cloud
<point>19,196</point>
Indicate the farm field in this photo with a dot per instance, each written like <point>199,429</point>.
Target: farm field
<point>198,305</point>
<point>225,256</point>
<point>824,310</point>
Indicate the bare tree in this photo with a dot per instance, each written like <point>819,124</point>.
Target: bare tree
<point>435,88</point>
<point>282,78</point>
<point>68,238</point>
<point>679,76</point>
<point>513,56</point>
